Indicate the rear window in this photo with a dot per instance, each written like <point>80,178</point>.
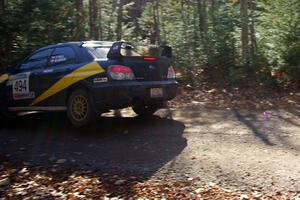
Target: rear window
<point>101,52</point>
<point>98,52</point>
<point>129,52</point>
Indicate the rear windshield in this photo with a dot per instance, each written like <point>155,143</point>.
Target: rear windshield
<point>98,52</point>
<point>101,52</point>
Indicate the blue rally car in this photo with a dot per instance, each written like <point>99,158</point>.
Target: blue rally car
<point>88,78</point>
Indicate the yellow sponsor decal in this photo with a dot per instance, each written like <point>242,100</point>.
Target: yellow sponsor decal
<point>68,80</point>
<point>3,78</point>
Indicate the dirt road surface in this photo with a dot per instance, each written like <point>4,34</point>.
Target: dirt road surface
<point>236,149</point>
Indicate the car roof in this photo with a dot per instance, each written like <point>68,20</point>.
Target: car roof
<point>79,43</point>
<point>97,43</point>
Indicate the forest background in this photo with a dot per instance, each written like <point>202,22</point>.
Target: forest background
<point>229,42</point>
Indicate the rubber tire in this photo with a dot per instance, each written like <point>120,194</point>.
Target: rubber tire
<point>145,110</point>
<point>6,117</point>
<point>3,120</point>
<point>90,116</point>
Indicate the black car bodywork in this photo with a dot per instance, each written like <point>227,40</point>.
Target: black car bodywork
<point>47,78</point>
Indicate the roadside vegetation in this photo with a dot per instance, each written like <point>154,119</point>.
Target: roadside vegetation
<point>227,42</point>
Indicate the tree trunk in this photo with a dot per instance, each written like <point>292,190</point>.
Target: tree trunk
<point>136,15</point>
<point>252,31</point>
<point>100,29</point>
<point>120,20</point>
<point>214,8</point>
<point>90,19</point>
<point>3,4</point>
<point>156,19</point>
<point>203,27</point>
<point>95,20</point>
<point>245,32</point>
<point>202,21</point>
<point>185,27</point>
<point>202,17</point>
<point>79,31</point>
<point>114,5</point>
<point>111,20</point>
<point>93,15</point>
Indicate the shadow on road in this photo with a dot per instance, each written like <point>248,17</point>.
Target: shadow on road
<point>128,145</point>
<point>269,130</point>
<point>249,123</point>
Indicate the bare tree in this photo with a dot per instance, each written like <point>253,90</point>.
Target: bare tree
<point>156,19</point>
<point>252,30</point>
<point>100,25</point>
<point>214,7</point>
<point>3,4</point>
<point>202,17</point>
<point>111,31</point>
<point>245,32</point>
<point>185,23</point>
<point>120,20</point>
<point>202,10</point>
<point>79,31</point>
<point>93,16</point>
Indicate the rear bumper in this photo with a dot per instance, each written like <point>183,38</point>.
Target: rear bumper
<point>113,95</point>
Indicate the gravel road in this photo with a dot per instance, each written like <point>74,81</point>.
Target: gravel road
<point>237,149</point>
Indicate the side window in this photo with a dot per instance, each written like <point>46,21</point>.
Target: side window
<point>37,60</point>
<point>63,55</point>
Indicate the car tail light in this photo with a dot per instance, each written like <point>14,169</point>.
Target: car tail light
<point>150,59</point>
<point>171,73</point>
<point>119,72</point>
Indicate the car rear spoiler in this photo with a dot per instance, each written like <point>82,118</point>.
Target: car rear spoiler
<point>115,50</point>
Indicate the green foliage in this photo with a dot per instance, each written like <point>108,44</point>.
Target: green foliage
<point>29,24</point>
<point>279,36</point>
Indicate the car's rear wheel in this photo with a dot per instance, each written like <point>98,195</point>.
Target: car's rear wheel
<point>6,117</point>
<point>3,119</point>
<point>79,108</point>
<point>145,109</point>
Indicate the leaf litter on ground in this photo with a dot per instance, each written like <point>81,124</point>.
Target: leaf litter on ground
<point>255,97</point>
<point>28,182</point>
<point>42,183</point>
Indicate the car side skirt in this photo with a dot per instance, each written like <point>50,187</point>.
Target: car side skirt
<point>38,108</point>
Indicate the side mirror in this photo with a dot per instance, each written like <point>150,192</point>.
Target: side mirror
<point>167,52</point>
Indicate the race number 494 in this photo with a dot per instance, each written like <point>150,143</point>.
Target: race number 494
<point>21,85</point>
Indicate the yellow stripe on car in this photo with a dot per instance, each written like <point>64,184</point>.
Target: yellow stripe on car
<point>68,80</point>
<point>3,78</point>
